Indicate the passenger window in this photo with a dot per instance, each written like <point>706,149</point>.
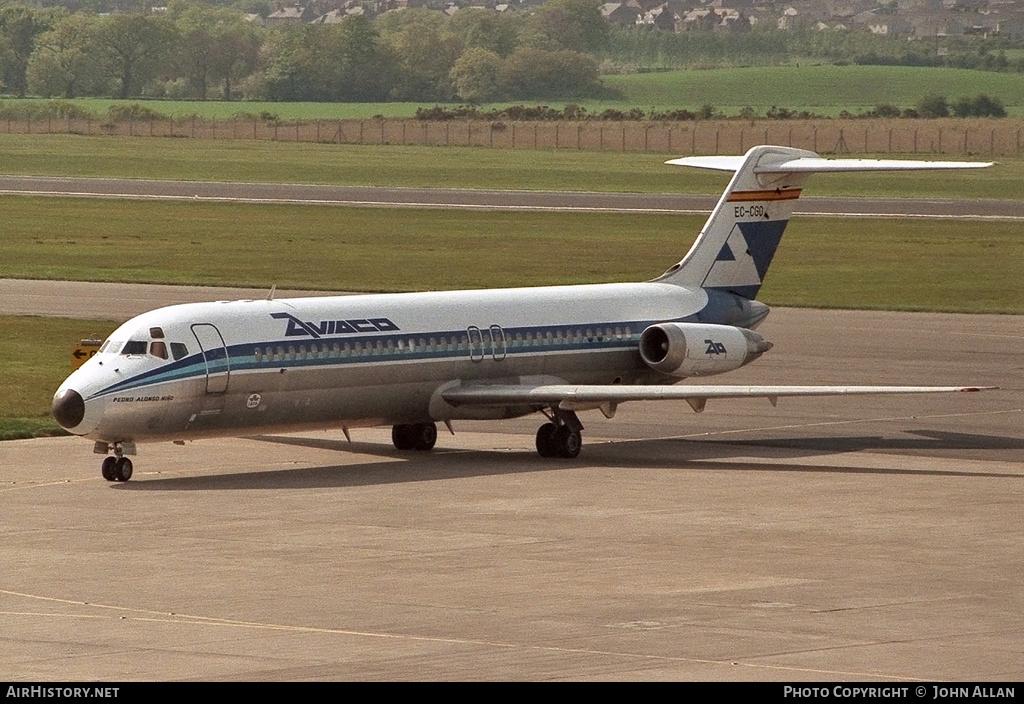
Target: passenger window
<point>178,350</point>
<point>158,348</point>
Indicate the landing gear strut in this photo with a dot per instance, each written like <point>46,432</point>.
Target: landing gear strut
<point>414,436</point>
<point>561,437</point>
<point>117,468</point>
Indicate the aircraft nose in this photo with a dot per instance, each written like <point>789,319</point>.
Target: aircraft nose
<point>68,409</point>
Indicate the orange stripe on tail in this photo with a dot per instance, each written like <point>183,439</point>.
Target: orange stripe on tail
<point>742,196</point>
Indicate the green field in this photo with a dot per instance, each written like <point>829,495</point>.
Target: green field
<point>451,167</point>
<point>825,90</point>
<point>35,356</point>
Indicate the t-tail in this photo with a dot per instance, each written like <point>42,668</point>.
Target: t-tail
<point>739,240</point>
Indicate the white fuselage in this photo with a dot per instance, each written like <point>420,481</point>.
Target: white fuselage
<point>347,361</point>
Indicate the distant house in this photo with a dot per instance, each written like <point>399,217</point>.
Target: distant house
<point>886,25</point>
<point>937,24</point>
<point>662,17</point>
<point>294,14</point>
<point>620,13</point>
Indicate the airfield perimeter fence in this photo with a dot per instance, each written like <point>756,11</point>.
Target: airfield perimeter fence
<point>966,137</point>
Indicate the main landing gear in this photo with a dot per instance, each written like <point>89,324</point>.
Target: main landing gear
<point>414,436</point>
<point>117,468</point>
<point>561,437</point>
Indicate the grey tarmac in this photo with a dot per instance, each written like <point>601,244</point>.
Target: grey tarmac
<point>823,540</point>
<point>369,196</point>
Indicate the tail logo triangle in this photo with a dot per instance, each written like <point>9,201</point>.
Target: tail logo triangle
<point>734,266</point>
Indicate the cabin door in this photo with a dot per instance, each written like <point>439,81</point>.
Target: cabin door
<point>215,355</point>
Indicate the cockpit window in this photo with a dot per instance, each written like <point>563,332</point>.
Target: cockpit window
<point>158,348</point>
<point>178,350</point>
<point>111,347</point>
<point>134,347</point>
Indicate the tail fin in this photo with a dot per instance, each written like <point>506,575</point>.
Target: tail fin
<point>737,244</point>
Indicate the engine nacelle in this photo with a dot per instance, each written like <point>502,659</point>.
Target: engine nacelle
<point>697,349</point>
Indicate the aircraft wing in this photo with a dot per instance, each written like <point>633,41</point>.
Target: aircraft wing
<point>574,397</point>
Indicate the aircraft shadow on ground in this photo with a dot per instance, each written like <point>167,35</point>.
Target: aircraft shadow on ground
<point>684,454</point>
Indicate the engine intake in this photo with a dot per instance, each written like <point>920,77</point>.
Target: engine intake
<point>697,349</point>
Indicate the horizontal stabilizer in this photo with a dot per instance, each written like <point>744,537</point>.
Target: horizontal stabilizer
<point>815,165</point>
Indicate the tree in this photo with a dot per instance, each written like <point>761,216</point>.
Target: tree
<point>344,62</point>
<point>19,28</point>
<point>575,25</point>
<point>496,32</point>
<point>135,46</point>
<point>425,59</point>
<point>933,106</point>
<point>216,47</point>
<point>536,73</point>
<point>65,61</point>
<point>477,75</point>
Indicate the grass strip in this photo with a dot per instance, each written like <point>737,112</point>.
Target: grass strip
<point>445,167</point>
<point>35,358</point>
<point>938,265</point>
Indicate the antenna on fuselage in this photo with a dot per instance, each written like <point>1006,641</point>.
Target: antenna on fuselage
<point>270,296</point>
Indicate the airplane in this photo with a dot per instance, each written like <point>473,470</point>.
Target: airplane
<point>411,360</point>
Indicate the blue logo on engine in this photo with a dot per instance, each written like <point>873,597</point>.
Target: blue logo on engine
<point>300,328</point>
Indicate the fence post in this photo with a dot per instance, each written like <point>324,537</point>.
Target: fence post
<point>718,133</point>
<point>741,140</point>
<point>992,143</point>
<point>940,139</point>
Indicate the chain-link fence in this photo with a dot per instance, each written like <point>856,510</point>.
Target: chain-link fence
<point>993,138</point>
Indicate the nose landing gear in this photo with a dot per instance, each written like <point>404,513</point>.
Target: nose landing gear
<point>117,468</point>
